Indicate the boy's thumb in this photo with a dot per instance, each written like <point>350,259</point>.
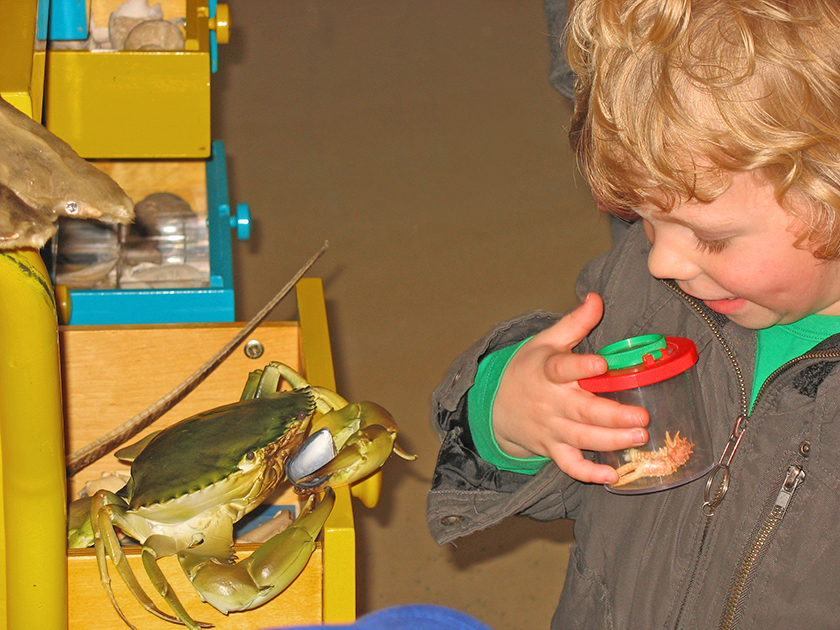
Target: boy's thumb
<point>577,324</point>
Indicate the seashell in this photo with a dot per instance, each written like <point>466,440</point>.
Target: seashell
<point>157,209</point>
<point>139,9</point>
<point>119,27</point>
<point>155,35</point>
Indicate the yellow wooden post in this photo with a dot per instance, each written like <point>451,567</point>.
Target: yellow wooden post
<point>339,532</point>
<point>31,448</point>
<point>33,577</point>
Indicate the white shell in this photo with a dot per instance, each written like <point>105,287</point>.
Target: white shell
<point>316,451</point>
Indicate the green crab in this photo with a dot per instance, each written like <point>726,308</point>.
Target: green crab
<point>191,482</point>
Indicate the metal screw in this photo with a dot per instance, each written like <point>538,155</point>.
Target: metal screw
<point>254,349</point>
<point>71,207</point>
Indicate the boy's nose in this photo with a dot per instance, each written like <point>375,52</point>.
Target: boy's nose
<point>670,259</point>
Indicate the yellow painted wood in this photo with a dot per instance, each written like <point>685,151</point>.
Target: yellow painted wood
<point>130,104</point>
<point>221,23</point>
<point>34,581</point>
<point>315,340</point>
<point>198,25</point>
<point>316,350</point>
<point>135,104</point>
<point>17,26</point>
<point>22,67</point>
<point>339,530</point>
<point>340,561</point>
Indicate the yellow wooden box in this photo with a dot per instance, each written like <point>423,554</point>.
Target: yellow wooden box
<point>111,373</point>
<point>137,104</point>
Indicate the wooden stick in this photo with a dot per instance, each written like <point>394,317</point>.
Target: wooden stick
<point>118,436</point>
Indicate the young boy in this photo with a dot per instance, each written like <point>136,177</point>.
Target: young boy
<point>717,124</point>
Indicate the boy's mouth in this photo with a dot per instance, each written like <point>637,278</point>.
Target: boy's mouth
<point>725,306</point>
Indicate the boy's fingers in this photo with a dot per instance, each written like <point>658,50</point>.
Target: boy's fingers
<point>572,462</point>
<point>568,367</point>
<point>589,437</point>
<point>591,410</point>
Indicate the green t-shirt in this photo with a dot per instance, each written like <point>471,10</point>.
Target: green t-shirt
<point>779,344</point>
<point>776,346</point>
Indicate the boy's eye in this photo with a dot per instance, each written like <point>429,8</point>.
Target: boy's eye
<point>713,246</point>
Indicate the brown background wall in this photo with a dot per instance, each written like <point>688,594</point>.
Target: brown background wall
<point>422,139</point>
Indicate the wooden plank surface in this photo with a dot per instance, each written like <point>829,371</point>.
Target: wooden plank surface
<point>111,373</point>
<point>140,178</point>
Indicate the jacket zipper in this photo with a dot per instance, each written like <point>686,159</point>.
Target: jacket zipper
<point>740,426</point>
<point>745,409</point>
<point>755,552</point>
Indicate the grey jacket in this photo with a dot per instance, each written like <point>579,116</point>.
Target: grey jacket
<point>769,556</point>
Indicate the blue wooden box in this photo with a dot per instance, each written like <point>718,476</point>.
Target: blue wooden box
<point>214,303</point>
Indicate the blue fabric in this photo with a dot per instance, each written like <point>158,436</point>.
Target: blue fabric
<point>412,617</point>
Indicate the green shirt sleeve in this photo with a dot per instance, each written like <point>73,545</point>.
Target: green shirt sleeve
<point>480,399</point>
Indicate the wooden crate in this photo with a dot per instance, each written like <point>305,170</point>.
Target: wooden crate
<point>111,373</point>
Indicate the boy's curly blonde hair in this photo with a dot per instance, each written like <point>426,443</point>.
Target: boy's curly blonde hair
<point>674,96</point>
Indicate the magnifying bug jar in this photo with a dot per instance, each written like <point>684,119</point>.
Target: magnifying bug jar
<point>659,374</point>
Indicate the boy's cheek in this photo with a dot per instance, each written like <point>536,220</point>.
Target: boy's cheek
<point>648,231</point>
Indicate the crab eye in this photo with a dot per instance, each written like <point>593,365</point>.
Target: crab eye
<point>302,415</point>
<point>250,456</point>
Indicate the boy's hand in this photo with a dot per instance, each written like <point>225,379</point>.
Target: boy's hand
<point>541,410</point>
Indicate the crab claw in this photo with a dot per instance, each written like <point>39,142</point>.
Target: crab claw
<point>364,435</point>
<point>315,452</point>
<point>268,571</point>
<point>79,528</point>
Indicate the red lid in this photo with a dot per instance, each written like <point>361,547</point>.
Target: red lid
<point>681,355</point>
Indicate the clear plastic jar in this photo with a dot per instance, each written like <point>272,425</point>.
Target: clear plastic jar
<point>657,373</point>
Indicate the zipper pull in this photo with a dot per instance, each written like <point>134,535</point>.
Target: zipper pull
<point>795,476</point>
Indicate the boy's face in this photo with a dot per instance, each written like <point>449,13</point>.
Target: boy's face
<point>737,255</point>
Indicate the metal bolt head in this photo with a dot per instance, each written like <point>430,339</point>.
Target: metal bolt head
<point>254,349</point>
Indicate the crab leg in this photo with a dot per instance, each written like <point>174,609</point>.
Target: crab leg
<point>106,507</point>
<point>261,382</point>
<point>155,547</point>
<point>267,572</point>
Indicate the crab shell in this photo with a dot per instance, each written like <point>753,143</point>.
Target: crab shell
<point>218,448</point>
